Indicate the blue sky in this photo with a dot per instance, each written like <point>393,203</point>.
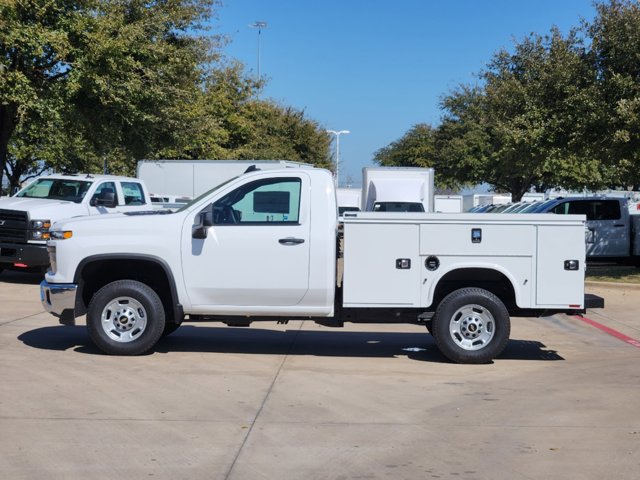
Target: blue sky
<point>377,68</point>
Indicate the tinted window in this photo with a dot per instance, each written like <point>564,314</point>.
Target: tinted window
<point>605,210</point>
<point>593,209</point>
<point>398,207</point>
<point>341,210</point>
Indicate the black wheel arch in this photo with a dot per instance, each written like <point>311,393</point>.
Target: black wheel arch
<point>96,271</point>
<point>488,279</point>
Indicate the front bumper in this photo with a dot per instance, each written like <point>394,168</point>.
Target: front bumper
<point>24,253</point>
<point>59,299</point>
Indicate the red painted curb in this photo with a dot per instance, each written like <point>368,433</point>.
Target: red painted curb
<point>610,331</point>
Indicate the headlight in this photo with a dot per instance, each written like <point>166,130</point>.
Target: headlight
<point>40,224</point>
<point>39,235</point>
<point>39,229</point>
<point>61,234</point>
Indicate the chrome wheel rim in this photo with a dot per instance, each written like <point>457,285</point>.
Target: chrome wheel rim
<point>472,327</point>
<point>124,319</point>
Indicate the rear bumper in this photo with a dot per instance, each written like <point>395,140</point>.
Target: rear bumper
<point>24,253</point>
<point>590,301</point>
<point>59,299</point>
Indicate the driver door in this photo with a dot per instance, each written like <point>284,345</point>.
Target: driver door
<point>256,253</point>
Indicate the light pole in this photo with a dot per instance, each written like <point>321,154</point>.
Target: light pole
<point>337,133</point>
<point>259,24</point>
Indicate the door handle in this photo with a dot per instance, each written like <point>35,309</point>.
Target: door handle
<point>618,224</point>
<point>291,241</point>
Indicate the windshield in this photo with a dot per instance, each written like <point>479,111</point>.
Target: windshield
<point>56,189</point>
<point>197,199</point>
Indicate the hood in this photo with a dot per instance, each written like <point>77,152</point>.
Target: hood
<point>114,221</point>
<point>43,208</point>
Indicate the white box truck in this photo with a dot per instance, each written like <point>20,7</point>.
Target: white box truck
<point>349,200</point>
<point>448,203</point>
<point>191,178</point>
<point>397,189</point>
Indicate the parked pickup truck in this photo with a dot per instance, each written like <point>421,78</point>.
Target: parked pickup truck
<point>263,246</point>
<point>26,217</point>
<point>612,233</point>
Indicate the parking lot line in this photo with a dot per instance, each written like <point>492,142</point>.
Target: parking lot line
<point>610,331</point>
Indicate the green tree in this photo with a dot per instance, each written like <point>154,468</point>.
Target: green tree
<point>540,105</point>
<point>615,36</point>
<point>104,75</point>
<point>278,132</point>
<point>463,145</point>
<point>532,122</point>
<point>228,121</point>
<point>414,149</point>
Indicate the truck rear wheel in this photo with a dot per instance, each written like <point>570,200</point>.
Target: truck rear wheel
<point>125,317</point>
<point>471,325</point>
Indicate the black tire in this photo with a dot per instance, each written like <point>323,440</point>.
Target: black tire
<point>471,325</point>
<point>125,317</point>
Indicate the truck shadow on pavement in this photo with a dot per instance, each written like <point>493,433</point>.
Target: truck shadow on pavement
<point>205,339</point>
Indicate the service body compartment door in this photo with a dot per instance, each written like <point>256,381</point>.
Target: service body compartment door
<point>558,284</point>
<point>381,265</point>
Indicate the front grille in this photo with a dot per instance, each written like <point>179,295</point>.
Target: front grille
<point>13,226</point>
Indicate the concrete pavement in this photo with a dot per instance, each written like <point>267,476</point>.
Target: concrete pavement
<point>301,401</point>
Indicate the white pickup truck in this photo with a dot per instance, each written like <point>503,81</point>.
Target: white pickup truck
<point>263,246</point>
<point>25,218</point>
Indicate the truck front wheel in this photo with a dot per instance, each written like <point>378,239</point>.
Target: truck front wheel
<point>125,317</point>
<point>471,325</point>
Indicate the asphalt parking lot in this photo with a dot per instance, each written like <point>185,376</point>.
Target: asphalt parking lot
<point>301,401</point>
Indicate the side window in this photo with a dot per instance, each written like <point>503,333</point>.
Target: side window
<point>561,209</point>
<point>133,194</point>
<point>593,209</point>
<point>606,210</point>
<point>269,201</point>
<point>578,208</point>
<point>105,191</point>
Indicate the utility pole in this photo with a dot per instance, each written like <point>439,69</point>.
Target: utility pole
<point>337,135</point>
<point>259,24</point>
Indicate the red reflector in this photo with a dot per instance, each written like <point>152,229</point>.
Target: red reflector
<point>574,306</point>
<point>20,265</point>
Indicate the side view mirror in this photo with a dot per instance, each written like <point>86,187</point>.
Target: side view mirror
<point>205,220</point>
<point>105,199</point>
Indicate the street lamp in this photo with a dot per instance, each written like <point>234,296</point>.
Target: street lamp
<point>337,134</point>
<point>259,24</point>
